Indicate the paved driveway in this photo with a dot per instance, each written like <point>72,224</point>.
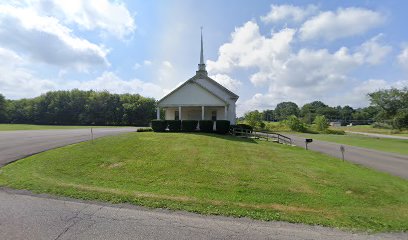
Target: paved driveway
<point>18,144</point>
<point>395,164</point>
<point>39,217</point>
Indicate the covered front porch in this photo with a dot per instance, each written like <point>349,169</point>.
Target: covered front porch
<point>194,112</point>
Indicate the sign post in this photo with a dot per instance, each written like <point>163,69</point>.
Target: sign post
<point>92,137</point>
<point>342,149</point>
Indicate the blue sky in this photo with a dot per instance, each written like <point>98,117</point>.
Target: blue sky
<point>265,51</point>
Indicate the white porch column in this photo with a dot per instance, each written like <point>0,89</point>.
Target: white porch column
<point>225,112</point>
<point>202,112</point>
<point>180,113</point>
<point>158,113</point>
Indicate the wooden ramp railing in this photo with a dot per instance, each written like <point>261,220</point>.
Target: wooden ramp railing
<point>262,134</point>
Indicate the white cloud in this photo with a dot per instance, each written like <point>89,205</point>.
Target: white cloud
<point>288,13</point>
<point>111,17</point>
<point>354,95</point>
<point>147,62</point>
<point>167,75</point>
<point>167,64</point>
<point>373,51</point>
<point>277,65</point>
<point>136,66</point>
<point>403,58</point>
<point>259,102</point>
<point>44,39</point>
<point>111,82</point>
<point>17,81</point>
<point>228,82</point>
<point>288,75</point>
<point>249,48</point>
<point>342,23</point>
<point>10,58</point>
<point>357,95</point>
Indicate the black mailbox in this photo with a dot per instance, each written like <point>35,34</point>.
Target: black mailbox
<point>308,140</point>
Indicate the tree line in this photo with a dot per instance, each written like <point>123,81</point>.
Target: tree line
<point>388,109</point>
<point>77,107</point>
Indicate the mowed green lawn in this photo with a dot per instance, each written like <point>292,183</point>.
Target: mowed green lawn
<point>215,174</point>
<point>12,127</point>
<point>399,146</point>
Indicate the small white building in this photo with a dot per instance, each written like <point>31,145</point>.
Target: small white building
<point>199,98</point>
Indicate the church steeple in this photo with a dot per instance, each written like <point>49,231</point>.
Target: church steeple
<point>201,66</point>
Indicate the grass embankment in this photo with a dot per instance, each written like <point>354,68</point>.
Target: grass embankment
<point>371,129</point>
<point>13,127</point>
<point>399,146</point>
<point>214,174</point>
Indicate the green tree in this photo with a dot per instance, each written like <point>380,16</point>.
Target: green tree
<point>321,123</point>
<point>254,119</point>
<point>3,110</point>
<point>400,119</point>
<point>295,124</point>
<point>285,109</point>
<point>83,107</point>
<point>389,102</point>
<point>310,110</point>
<point>268,115</point>
<point>347,113</point>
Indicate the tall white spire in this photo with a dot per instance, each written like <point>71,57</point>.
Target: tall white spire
<point>201,66</point>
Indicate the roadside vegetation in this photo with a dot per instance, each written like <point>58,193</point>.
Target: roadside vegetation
<point>218,174</point>
<point>388,113</point>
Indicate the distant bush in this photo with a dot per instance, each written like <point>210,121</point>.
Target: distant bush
<point>295,124</point>
<point>144,130</point>
<point>206,125</point>
<point>174,125</point>
<point>321,123</point>
<point>189,125</point>
<point>400,120</point>
<point>222,126</point>
<point>159,125</point>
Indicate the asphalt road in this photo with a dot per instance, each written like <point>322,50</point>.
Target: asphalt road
<point>25,216</point>
<point>394,164</point>
<point>15,145</point>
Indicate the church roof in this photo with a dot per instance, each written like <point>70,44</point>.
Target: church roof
<point>202,74</point>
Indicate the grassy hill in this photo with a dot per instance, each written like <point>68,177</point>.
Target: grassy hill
<point>213,174</point>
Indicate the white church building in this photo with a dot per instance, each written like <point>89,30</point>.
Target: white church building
<point>199,98</point>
